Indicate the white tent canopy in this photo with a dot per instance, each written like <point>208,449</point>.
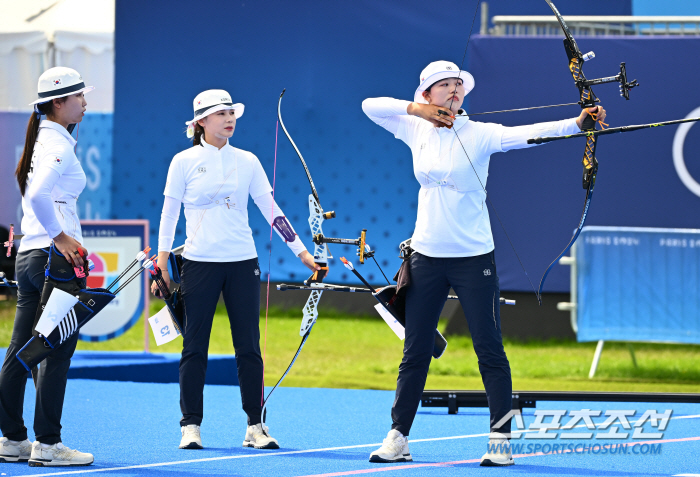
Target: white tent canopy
<point>38,34</point>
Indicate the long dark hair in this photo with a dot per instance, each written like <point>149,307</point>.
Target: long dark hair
<point>25,162</point>
<point>198,133</point>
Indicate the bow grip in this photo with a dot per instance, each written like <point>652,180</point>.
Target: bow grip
<point>588,123</point>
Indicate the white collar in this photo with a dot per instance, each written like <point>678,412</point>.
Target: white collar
<point>459,122</point>
<point>209,147</point>
<point>45,123</point>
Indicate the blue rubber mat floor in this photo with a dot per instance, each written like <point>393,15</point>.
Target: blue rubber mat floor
<point>133,429</point>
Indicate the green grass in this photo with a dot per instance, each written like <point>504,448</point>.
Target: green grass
<point>363,353</point>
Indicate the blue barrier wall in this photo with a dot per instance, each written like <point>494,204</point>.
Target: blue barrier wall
<point>330,58</point>
<point>94,152</point>
<point>637,284</point>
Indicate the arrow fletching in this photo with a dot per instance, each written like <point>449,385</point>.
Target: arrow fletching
<point>347,264</point>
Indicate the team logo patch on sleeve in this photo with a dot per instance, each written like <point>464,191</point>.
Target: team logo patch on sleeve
<point>58,160</point>
<point>202,169</point>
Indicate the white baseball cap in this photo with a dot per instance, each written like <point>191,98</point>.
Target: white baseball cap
<point>438,70</point>
<point>211,101</point>
<point>58,82</point>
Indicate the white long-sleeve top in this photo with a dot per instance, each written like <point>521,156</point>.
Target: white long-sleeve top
<point>452,218</point>
<point>54,182</point>
<point>214,184</point>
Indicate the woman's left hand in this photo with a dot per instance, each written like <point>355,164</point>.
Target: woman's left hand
<point>308,260</point>
<point>597,112</point>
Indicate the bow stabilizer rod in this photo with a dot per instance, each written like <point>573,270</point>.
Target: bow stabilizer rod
<point>621,129</point>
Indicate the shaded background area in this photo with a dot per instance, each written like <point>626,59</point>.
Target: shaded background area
<point>330,58</point>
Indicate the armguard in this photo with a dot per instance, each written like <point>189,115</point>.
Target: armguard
<point>284,228</point>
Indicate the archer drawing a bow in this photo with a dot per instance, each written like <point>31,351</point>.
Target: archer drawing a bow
<point>65,306</point>
<point>587,100</point>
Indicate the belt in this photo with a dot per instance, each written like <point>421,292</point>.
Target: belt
<point>449,183</point>
<point>231,204</point>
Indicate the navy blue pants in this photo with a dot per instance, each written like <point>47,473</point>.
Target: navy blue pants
<point>475,281</point>
<point>53,371</point>
<point>201,284</point>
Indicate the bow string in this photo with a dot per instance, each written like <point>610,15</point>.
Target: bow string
<point>321,256</point>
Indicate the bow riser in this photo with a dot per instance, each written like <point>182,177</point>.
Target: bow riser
<point>316,218</point>
<point>590,163</point>
<point>310,312</point>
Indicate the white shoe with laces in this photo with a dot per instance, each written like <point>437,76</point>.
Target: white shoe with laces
<point>58,455</point>
<point>393,449</point>
<point>258,436</point>
<point>191,438</point>
<point>499,451</point>
<point>15,451</point>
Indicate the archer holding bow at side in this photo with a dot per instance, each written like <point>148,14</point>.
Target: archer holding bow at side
<point>213,180</point>
<point>452,241</point>
<point>50,179</point>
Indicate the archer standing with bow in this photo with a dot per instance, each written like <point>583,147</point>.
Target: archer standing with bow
<point>452,241</point>
<point>213,180</point>
<point>50,179</point>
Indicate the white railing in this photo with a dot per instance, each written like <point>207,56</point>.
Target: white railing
<point>547,25</point>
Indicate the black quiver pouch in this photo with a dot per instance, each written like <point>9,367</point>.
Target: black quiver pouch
<point>63,321</point>
<point>396,305</point>
<point>174,302</point>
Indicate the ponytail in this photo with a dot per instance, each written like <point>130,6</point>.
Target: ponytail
<point>198,133</point>
<point>25,162</point>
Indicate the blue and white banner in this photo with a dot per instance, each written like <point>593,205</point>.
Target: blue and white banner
<point>638,284</point>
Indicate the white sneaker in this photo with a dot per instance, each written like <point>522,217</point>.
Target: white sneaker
<point>15,451</point>
<point>498,454</point>
<point>57,455</point>
<point>191,439</point>
<point>258,436</point>
<point>393,449</point>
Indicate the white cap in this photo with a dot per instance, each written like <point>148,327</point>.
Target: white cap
<point>212,101</point>
<point>59,82</point>
<point>438,70</point>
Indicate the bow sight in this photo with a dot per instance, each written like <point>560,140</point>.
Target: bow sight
<point>621,78</point>
<point>361,243</point>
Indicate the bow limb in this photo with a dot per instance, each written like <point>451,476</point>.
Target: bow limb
<point>296,355</point>
<point>588,128</point>
<point>321,256</point>
<point>316,219</point>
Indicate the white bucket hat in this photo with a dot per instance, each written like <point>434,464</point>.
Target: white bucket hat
<point>212,101</point>
<point>438,70</point>
<point>59,82</point>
